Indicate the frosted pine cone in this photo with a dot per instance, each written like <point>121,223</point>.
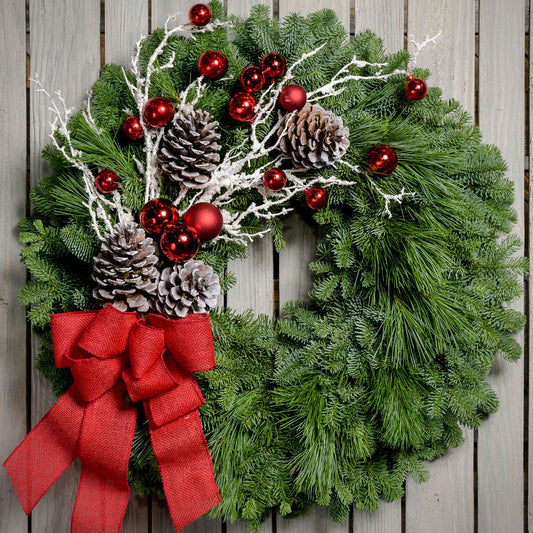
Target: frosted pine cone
<point>190,149</point>
<point>125,269</point>
<point>191,287</point>
<point>313,137</point>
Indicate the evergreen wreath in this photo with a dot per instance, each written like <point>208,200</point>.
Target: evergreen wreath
<point>339,400</point>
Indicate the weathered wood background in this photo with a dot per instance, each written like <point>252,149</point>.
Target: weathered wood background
<point>480,59</point>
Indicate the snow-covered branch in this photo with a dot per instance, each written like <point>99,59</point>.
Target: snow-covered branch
<point>419,46</point>
<point>97,204</point>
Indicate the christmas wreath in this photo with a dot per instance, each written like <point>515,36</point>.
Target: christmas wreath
<point>220,128</point>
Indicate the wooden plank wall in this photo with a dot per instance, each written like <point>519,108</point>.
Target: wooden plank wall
<point>480,487</point>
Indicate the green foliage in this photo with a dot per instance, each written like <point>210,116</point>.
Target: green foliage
<point>341,399</point>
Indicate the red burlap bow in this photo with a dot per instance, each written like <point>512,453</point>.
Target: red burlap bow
<point>109,351</point>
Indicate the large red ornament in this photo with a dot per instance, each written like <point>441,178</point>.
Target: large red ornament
<point>206,219</point>
<point>158,112</point>
<point>200,14</point>
<point>273,66</point>
<point>179,242</point>
<point>415,88</point>
<point>382,159</point>
<point>252,79</point>
<point>292,97</point>
<point>316,197</point>
<point>131,129</point>
<point>275,179</point>
<point>157,214</point>
<point>242,107</point>
<point>106,181</point>
<point>212,65</point>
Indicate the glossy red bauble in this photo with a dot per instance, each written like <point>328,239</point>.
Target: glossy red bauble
<point>158,112</point>
<point>179,242</point>
<point>292,97</point>
<point>242,107</point>
<point>106,181</point>
<point>200,14</point>
<point>382,159</point>
<point>206,219</point>
<point>157,214</point>
<point>275,179</point>
<point>273,66</point>
<point>415,88</point>
<point>252,79</point>
<point>212,65</point>
<point>316,197</point>
<point>131,129</point>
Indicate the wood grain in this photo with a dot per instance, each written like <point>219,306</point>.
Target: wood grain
<point>124,24</point>
<point>13,408</point>
<point>501,118</point>
<point>446,502</point>
<point>65,52</point>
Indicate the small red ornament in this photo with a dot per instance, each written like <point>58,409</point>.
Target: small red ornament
<point>382,159</point>
<point>242,107</point>
<point>415,88</point>
<point>179,242</point>
<point>131,129</point>
<point>316,197</point>
<point>200,14</point>
<point>206,219</point>
<point>157,214</point>
<point>252,79</point>
<point>158,112</point>
<point>275,179</point>
<point>212,65</point>
<point>273,66</point>
<point>106,181</point>
<point>292,97</point>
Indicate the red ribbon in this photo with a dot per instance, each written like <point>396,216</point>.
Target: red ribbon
<point>109,352</point>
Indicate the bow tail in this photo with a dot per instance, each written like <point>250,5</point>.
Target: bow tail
<point>105,447</point>
<point>186,468</point>
<point>47,451</point>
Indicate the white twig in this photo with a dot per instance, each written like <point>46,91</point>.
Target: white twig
<point>419,46</point>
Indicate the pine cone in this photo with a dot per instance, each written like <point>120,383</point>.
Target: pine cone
<point>190,287</point>
<point>313,138</point>
<point>125,269</point>
<point>190,149</point>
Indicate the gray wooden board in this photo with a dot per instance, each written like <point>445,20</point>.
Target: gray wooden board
<point>124,24</point>
<point>386,19</point>
<point>501,118</point>
<point>446,502</point>
<point>65,52</point>
<point>295,280</point>
<point>13,412</point>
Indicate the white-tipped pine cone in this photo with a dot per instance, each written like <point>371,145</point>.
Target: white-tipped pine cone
<point>313,137</point>
<point>191,287</point>
<point>190,149</point>
<point>125,269</point>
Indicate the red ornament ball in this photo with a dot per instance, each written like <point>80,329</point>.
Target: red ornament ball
<point>179,242</point>
<point>382,159</point>
<point>106,181</point>
<point>158,112</point>
<point>415,88</point>
<point>252,79</point>
<point>200,14</point>
<point>206,219</point>
<point>157,214</point>
<point>131,129</point>
<point>212,65</point>
<point>292,97</point>
<point>242,107</point>
<point>273,66</point>
<point>275,179</point>
<point>316,197</point>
